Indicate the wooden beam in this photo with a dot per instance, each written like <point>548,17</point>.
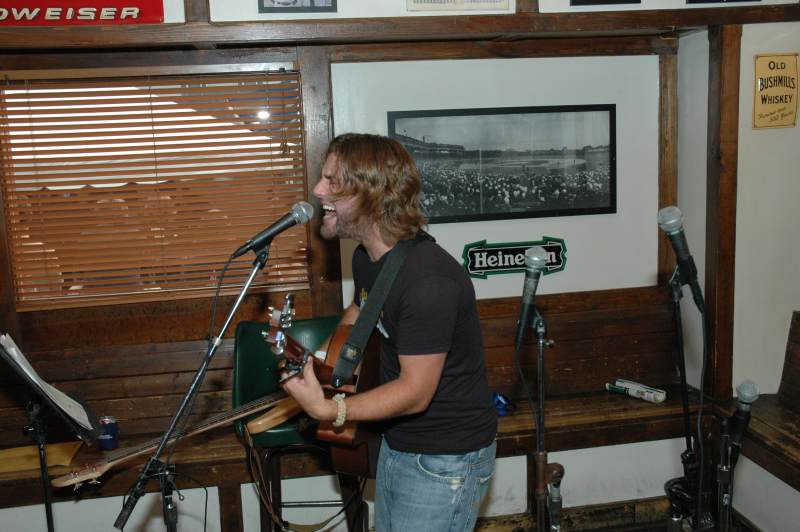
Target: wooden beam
<point>154,62</point>
<point>556,47</point>
<point>388,29</point>
<point>721,170</point>
<point>326,275</point>
<point>667,155</point>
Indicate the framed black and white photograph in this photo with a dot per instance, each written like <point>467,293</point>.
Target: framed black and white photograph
<point>512,162</point>
<point>296,6</point>
<point>602,2</point>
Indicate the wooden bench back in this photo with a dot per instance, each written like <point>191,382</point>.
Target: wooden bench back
<point>789,391</point>
<point>598,336</point>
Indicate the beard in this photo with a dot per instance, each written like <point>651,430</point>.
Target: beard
<point>346,225</point>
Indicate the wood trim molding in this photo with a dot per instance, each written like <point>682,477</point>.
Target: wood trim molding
<point>326,274</point>
<point>205,34</point>
<point>667,155</point>
<point>153,62</point>
<point>721,170</point>
<point>557,47</point>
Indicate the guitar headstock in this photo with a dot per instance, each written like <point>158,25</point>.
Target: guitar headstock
<point>290,354</point>
<point>76,477</point>
<point>279,321</point>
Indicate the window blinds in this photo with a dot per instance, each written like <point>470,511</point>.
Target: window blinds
<point>137,189</point>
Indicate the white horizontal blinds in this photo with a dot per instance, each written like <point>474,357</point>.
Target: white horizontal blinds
<point>120,190</point>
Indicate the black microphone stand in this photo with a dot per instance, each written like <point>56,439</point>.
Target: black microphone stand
<point>165,473</point>
<point>724,478</point>
<point>683,492</point>
<point>37,430</point>
<point>548,476</point>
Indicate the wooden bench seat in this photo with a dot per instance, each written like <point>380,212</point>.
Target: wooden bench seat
<point>773,436</point>
<point>217,458</point>
<point>598,336</point>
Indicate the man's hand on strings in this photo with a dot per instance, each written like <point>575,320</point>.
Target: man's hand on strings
<point>307,391</point>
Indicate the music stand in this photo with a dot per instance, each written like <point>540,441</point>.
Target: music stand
<point>75,415</point>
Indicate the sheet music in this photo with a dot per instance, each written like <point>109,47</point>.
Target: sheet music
<point>71,407</point>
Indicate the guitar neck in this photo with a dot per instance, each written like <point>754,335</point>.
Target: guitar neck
<point>211,423</point>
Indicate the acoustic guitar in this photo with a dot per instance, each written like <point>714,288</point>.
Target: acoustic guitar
<point>354,446</point>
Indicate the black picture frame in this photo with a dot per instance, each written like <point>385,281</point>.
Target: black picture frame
<point>718,1</point>
<point>602,2</point>
<point>512,162</point>
<point>296,6</point>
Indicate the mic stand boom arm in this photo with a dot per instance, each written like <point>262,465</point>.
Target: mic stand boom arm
<point>154,467</point>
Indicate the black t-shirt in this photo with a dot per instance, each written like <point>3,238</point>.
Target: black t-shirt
<point>431,309</point>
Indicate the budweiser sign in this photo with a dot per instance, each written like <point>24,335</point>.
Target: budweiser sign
<point>80,12</point>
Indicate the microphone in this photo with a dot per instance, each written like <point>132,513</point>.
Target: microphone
<point>670,220</point>
<point>535,263</point>
<point>747,392</point>
<point>300,214</point>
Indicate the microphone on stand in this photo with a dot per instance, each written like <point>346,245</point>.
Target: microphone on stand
<point>670,220</point>
<point>535,263</point>
<point>301,213</point>
<point>747,393</point>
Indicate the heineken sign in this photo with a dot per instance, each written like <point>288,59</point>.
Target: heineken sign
<point>482,259</point>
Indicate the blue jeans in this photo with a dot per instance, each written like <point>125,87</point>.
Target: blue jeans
<point>431,492</point>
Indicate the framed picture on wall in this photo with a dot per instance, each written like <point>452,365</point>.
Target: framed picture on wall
<point>512,162</point>
<point>602,2</point>
<point>295,6</point>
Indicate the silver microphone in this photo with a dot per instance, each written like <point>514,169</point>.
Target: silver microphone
<point>535,264</point>
<point>301,213</point>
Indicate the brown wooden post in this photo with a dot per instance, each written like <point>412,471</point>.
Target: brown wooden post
<point>721,170</point>
<point>315,68</point>
<point>667,153</point>
<point>230,508</point>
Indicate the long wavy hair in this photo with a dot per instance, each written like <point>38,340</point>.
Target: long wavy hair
<point>381,174</point>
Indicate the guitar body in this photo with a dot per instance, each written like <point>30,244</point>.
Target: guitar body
<point>354,446</point>
<point>366,377</point>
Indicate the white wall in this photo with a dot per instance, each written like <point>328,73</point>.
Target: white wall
<point>767,222</point>
<point>100,514</point>
<point>692,132</point>
<point>604,251</point>
<point>767,288</point>
<point>236,10</point>
<point>767,266</point>
<point>555,6</point>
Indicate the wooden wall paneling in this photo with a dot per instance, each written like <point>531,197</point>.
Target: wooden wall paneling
<point>667,156</point>
<point>138,323</point>
<point>722,160</point>
<point>479,27</point>
<point>326,275</point>
<point>151,62</point>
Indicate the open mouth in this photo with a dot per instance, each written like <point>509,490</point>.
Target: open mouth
<point>328,210</point>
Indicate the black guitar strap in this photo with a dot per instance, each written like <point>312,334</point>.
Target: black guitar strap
<point>353,350</point>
